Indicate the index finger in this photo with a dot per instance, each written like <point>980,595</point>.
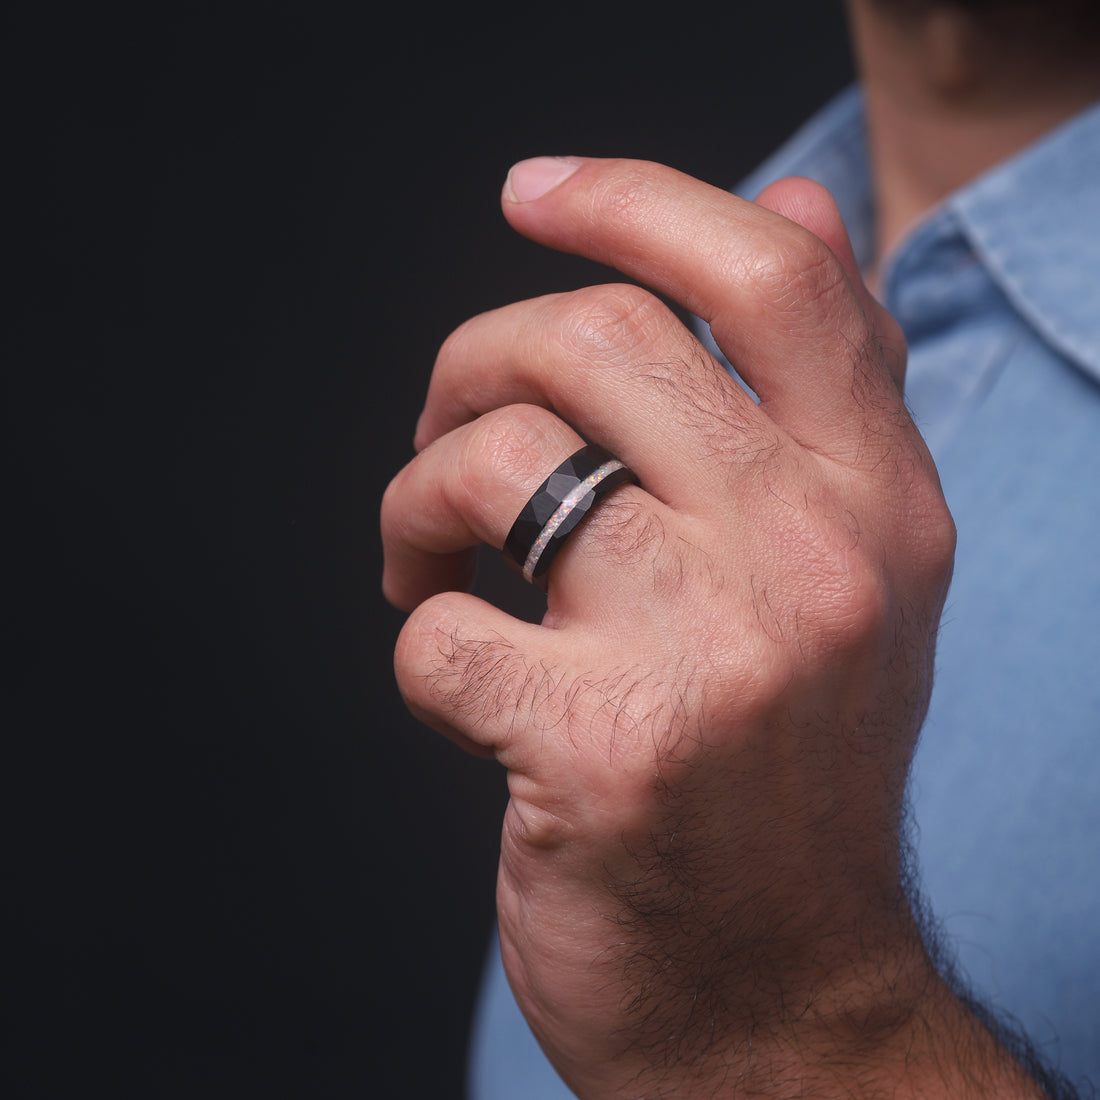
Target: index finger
<point>789,311</point>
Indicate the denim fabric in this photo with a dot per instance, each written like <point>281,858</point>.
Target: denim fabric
<point>998,291</point>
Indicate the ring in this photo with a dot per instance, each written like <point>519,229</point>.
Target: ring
<point>562,501</point>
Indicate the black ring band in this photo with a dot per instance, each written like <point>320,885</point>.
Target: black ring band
<point>562,501</point>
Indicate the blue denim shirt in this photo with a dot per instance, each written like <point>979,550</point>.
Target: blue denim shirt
<point>998,291</point>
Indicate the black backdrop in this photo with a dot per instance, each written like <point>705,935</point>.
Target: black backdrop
<point>232,866</point>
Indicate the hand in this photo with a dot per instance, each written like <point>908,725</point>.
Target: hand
<point>708,735</point>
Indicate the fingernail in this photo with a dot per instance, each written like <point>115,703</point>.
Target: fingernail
<point>531,179</point>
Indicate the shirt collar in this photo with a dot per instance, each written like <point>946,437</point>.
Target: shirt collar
<point>1033,222</point>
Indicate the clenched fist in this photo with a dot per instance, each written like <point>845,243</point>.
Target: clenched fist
<point>707,737</point>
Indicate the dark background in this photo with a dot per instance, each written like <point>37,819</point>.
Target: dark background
<point>232,866</point>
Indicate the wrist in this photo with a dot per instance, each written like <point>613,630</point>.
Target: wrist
<point>884,1023</point>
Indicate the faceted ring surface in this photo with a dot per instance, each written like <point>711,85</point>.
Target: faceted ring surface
<point>561,502</point>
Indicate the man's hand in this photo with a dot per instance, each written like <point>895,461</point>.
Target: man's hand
<point>707,737</point>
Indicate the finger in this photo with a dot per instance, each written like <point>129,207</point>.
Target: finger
<point>779,302</point>
<point>464,490</point>
<point>620,367</point>
<point>470,486</point>
<point>810,205</point>
<point>464,668</point>
<point>558,708</point>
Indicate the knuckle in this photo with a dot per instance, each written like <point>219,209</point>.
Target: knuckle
<point>455,344</point>
<point>860,604</point>
<point>842,620</point>
<point>608,323</point>
<point>942,537</point>
<point>933,537</point>
<point>799,276</point>
<point>918,521</point>
<point>840,600</point>
<point>515,445</point>
<point>391,510</point>
<point>416,650</point>
<point>858,591</point>
<point>452,350</point>
<point>890,337</point>
<point>452,380</point>
<point>443,671</point>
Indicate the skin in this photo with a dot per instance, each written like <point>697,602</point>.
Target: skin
<point>702,886</point>
<point>707,736</point>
